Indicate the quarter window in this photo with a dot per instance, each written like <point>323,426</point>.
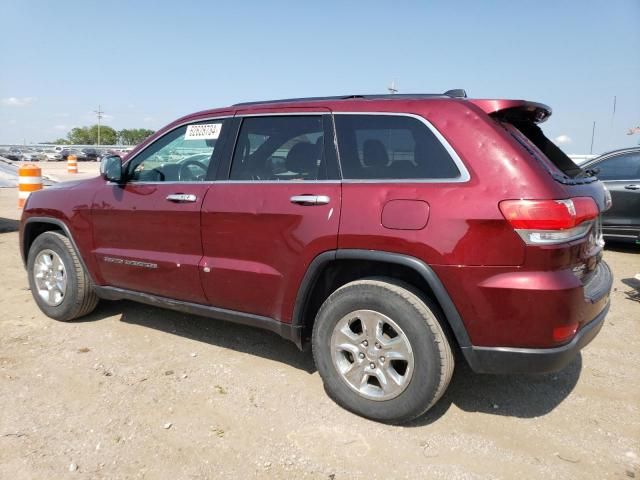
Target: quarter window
<point>391,147</point>
<point>620,167</point>
<point>182,155</point>
<point>281,148</point>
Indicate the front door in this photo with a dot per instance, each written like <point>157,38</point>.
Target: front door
<point>277,211</point>
<point>147,230</point>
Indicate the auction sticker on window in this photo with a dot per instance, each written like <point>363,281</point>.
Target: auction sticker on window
<point>203,131</point>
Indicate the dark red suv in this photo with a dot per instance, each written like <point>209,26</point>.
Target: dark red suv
<point>388,231</point>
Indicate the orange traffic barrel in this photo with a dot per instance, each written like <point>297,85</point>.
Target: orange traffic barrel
<point>72,164</point>
<point>29,180</point>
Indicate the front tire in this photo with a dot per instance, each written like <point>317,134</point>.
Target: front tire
<point>381,351</point>
<point>59,284</point>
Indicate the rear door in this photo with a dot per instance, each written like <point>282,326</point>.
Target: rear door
<point>147,230</point>
<point>278,208</point>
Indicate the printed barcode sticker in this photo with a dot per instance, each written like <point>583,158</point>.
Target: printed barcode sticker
<point>203,131</point>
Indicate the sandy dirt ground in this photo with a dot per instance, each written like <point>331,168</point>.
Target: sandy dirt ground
<point>137,392</point>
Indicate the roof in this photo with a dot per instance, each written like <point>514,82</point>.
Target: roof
<point>456,93</point>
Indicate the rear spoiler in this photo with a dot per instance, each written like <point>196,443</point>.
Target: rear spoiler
<point>514,110</point>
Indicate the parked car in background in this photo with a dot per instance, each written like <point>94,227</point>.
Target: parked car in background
<point>620,172</point>
<point>14,154</point>
<point>52,155</point>
<point>21,154</point>
<point>37,155</point>
<point>388,231</point>
<point>581,159</point>
<point>4,153</point>
<point>120,152</point>
<point>91,154</point>
<point>80,156</point>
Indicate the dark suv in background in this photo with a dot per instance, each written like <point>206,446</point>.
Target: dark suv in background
<point>387,231</point>
<point>620,172</point>
<point>91,154</point>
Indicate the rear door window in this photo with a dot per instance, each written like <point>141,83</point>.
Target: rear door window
<point>391,147</point>
<point>279,148</point>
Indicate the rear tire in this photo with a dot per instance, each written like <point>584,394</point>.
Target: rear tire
<point>59,284</point>
<point>381,351</point>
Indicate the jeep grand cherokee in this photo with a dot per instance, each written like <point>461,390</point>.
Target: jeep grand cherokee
<point>387,231</point>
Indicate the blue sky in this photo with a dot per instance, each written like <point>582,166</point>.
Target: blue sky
<point>148,62</point>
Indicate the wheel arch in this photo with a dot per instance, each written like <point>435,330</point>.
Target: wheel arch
<point>325,265</point>
<point>35,226</point>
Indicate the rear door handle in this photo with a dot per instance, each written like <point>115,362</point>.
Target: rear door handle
<point>182,197</point>
<point>632,187</point>
<point>310,199</point>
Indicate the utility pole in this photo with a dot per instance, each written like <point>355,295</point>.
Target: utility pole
<point>593,134</point>
<point>392,88</point>
<point>98,113</point>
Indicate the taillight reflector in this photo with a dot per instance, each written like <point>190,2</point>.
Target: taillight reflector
<point>561,334</point>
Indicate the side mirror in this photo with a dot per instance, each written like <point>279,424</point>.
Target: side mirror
<point>111,168</point>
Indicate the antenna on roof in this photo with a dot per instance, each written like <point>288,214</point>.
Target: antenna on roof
<point>456,93</point>
<point>392,87</point>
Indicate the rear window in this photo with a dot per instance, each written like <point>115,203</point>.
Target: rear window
<point>391,147</point>
<point>545,150</point>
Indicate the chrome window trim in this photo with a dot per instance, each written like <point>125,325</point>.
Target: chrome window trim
<point>280,182</point>
<point>282,114</point>
<point>462,178</point>
<point>464,173</point>
<point>172,182</point>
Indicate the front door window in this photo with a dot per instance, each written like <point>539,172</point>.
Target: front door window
<point>182,155</point>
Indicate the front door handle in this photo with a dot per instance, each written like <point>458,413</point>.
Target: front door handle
<point>182,197</point>
<point>632,187</point>
<point>310,199</point>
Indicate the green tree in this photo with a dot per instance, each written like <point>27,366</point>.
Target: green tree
<point>133,136</point>
<point>108,135</point>
<point>79,136</point>
<point>89,135</point>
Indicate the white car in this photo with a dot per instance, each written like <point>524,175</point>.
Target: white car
<point>53,155</point>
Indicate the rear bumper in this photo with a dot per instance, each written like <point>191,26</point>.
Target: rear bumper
<point>533,360</point>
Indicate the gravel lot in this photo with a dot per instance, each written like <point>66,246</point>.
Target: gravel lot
<point>138,392</point>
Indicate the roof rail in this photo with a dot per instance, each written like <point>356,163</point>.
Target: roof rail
<point>456,93</point>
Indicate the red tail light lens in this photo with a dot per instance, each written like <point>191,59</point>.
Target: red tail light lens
<point>561,334</point>
<point>550,221</point>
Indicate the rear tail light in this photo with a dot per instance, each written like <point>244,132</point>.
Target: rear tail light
<point>545,222</point>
